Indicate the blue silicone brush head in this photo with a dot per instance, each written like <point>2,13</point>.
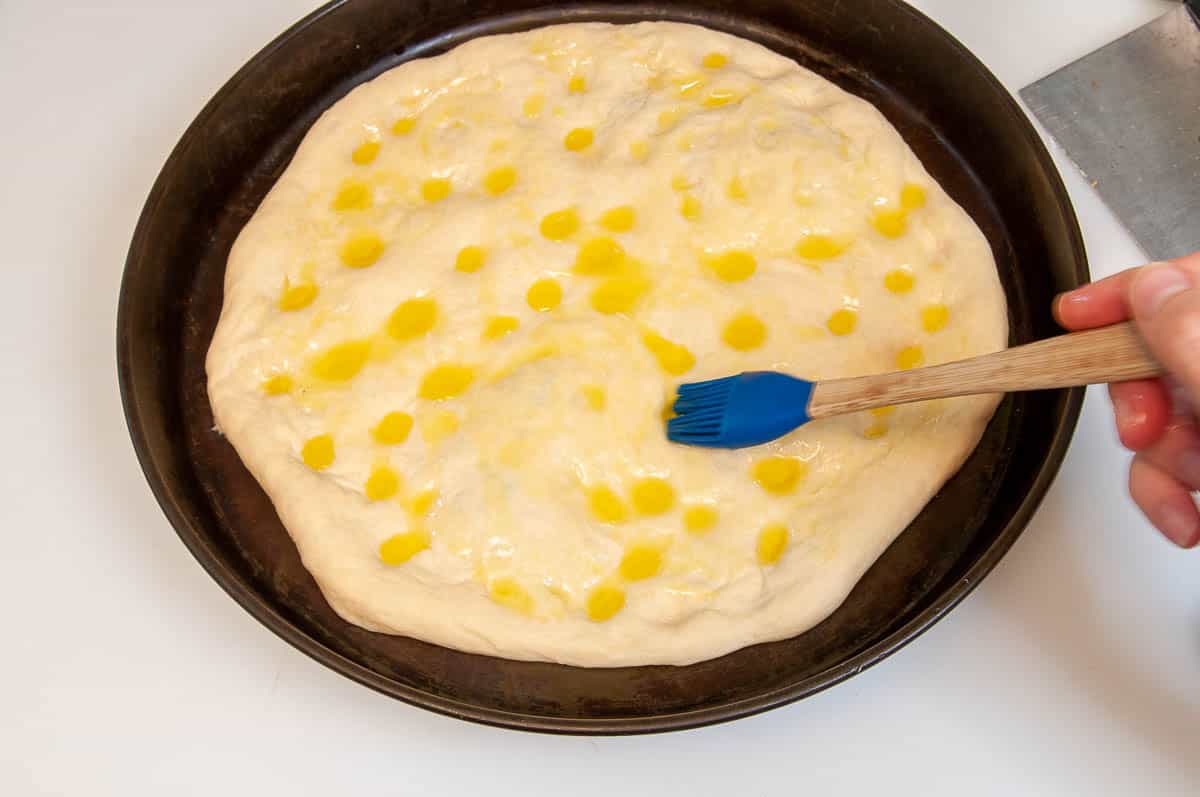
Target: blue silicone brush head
<point>739,411</point>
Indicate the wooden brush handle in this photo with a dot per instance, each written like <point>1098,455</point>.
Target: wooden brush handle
<point>1107,354</point>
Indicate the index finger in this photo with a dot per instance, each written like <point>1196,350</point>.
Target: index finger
<point>1097,304</point>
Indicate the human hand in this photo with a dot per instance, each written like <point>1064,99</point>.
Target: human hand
<point>1156,418</point>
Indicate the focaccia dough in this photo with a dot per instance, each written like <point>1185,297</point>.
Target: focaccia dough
<point>451,329</point>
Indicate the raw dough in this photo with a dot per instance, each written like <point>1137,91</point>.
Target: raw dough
<point>542,234</point>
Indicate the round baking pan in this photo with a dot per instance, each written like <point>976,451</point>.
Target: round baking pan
<point>956,116</point>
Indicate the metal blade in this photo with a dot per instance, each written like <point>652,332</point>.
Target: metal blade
<point>1128,115</point>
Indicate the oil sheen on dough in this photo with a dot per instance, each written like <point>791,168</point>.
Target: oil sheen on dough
<point>450,330</point>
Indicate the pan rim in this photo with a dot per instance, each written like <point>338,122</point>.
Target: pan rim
<point>265,613</point>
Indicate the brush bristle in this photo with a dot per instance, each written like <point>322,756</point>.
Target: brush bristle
<point>692,389</point>
<point>699,410</point>
<point>738,411</point>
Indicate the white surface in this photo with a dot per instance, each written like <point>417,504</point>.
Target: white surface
<point>1073,669</point>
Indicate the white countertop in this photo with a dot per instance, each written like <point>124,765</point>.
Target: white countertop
<point>1073,669</point>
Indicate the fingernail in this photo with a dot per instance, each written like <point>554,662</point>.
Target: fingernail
<point>1074,297</point>
<point>1179,525</point>
<point>1125,414</point>
<point>1187,467</point>
<point>1120,412</point>
<point>1157,283</point>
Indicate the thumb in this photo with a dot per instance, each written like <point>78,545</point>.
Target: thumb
<point>1165,300</point>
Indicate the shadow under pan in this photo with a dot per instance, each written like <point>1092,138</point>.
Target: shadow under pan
<point>959,120</point>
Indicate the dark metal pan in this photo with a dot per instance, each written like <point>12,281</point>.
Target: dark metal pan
<point>960,121</point>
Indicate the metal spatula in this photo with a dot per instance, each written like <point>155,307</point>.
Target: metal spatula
<point>1128,115</point>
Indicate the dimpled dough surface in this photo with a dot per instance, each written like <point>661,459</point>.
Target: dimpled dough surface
<point>451,330</point>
